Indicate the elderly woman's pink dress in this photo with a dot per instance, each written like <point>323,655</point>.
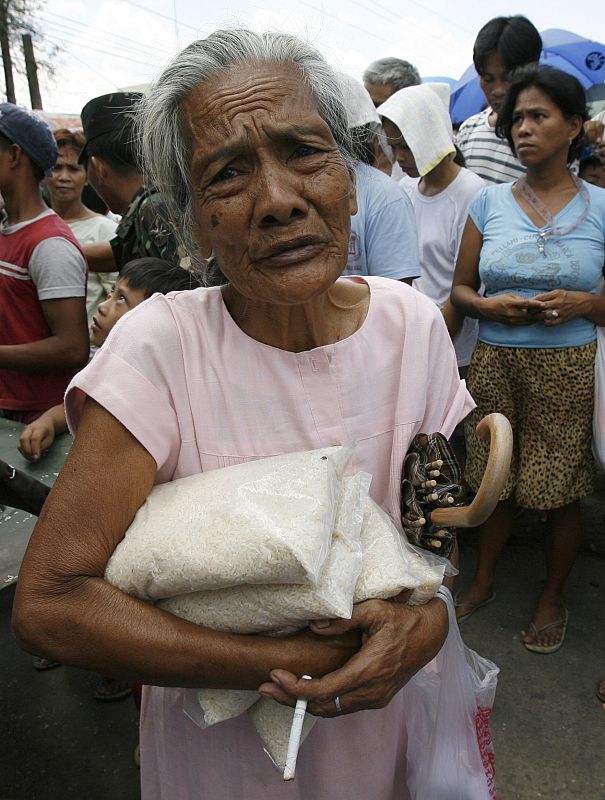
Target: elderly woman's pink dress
<point>199,394</point>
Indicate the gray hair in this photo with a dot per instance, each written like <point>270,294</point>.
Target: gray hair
<point>164,153</point>
<point>395,71</point>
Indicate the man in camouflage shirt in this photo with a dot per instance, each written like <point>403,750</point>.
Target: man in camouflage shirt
<point>110,157</point>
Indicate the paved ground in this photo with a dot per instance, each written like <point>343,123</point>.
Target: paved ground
<point>549,729</point>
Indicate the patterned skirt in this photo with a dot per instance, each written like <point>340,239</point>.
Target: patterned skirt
<point>548,395</point>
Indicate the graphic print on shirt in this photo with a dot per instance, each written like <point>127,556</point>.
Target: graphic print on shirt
<point>519,265</point>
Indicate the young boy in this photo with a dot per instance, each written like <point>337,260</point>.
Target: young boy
<point>138,280</point>
<point>502,44</point>
<point>43,335</point>
<point>592,170</point>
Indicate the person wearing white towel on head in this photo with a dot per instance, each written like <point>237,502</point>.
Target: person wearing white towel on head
<point>383,237</point>
<point>419,130</point>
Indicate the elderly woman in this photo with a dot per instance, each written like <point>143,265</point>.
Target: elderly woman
<point>249,136</point>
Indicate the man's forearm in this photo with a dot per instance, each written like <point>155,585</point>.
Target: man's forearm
<point>100,257</point>
<point>45,355</point>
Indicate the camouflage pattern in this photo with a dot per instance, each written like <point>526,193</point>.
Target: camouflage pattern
<point>144,230</point>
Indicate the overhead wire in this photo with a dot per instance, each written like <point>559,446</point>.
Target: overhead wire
<point>163,16</point>
<point>99,50</point>
<point>346,22</point>
<point>74,26</point>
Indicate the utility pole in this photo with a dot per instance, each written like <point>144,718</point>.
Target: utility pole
<point>31,69</point>
<point>6,53</point>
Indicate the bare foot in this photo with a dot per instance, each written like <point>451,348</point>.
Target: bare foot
<point>601,691</point>
<point>472,598</point>
<point>541,632</point>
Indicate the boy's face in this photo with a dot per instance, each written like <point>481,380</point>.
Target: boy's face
<point>122,299</point>
<point>494,81</point>
<point>401,151</point>
<point>594,173</point>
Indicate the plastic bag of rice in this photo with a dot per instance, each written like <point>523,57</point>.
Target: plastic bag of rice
<point>245,608</point>
<point>391,564</point>
<point>286,608</point>
<point>263,521</point>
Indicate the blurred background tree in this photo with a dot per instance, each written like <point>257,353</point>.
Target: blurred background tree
<point>23,48</point>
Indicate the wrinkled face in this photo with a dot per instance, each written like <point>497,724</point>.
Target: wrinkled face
<point>403,154</point>
<point>122,298</point>
<point>272,195</point>
<point>539,128</point>
<point>379,92</point>
<point>494,81</point>
<point>68,178</point>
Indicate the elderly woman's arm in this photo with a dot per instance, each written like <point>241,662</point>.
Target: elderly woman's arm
<point>66,610</point>
<point>507,308</point>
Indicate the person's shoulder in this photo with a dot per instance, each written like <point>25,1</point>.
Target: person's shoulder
<point>596,196</point>
<point>378,181</point>
<point>470,179</point>
<point>154,328</point>
<point>596,193</point>
<point>380,193</point>
<point>400,295</point>
<point>474,121</point>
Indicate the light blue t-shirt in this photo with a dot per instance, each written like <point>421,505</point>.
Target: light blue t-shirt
<point>511,261</point>
<point>383,232</point>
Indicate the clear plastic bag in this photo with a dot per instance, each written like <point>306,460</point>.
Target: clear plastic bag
<point>264,521</point>
<point>450,752</point>
<point>598,417</point>
<point>283,608</point>
<point>391,564</point>
<point>242,609</point>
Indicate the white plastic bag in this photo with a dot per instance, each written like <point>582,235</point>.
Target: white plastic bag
<point>285,608</point>
<point>450,753</point>
<point>245,608</point>
<point>264,521</point>
<point>391,564</point>
<point>598,417</point>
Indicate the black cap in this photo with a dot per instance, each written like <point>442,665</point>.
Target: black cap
<point>110,113</point>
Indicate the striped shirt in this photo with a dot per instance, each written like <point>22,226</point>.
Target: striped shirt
<point>485,153</point>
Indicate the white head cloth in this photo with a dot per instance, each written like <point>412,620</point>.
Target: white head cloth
<point>357,102</point>
<point>421,114</point>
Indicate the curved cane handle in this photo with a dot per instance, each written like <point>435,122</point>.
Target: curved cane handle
<point>497,429</point>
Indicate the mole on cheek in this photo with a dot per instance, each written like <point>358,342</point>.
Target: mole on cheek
<point>215,220</point>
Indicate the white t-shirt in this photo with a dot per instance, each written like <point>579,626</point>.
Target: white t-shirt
<point>485,153</point>
<point>440,221</point>
<point>383,232</point>
<point>93,231</point>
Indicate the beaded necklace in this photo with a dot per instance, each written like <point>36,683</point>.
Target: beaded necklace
<point>551,229</point>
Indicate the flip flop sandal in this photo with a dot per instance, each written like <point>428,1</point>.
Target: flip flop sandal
<point>534,647</point>
<point>42,663</point>
<point>599,693</point>
<point>472,606</point>
<point>111,689</point>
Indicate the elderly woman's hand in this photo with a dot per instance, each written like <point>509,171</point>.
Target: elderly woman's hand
<point>397,641</point>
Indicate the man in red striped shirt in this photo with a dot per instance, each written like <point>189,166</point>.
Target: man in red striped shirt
<point>43,331</point>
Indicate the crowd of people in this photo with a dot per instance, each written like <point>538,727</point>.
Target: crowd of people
<point>294,259</point>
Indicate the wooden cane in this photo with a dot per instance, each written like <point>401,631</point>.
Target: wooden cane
<point>496,429</point>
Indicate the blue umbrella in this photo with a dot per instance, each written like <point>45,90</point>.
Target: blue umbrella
<point>580,57</point>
